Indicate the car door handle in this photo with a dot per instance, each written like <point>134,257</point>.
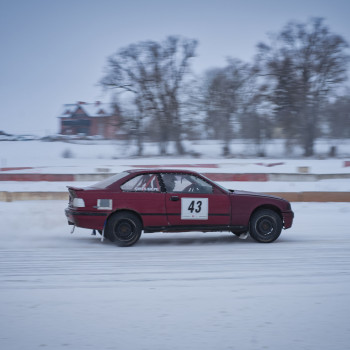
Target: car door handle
<point>174,198</point>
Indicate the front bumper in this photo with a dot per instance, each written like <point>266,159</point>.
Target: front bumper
<point>288,217</point>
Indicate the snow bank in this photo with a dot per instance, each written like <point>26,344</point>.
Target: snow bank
<point>342,185</point>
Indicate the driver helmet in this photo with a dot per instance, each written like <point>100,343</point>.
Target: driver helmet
<point>169,182</point>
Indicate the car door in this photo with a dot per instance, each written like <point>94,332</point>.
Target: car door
<point>192,202</point>
<point>143,195</point>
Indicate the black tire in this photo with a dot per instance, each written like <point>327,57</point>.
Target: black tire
<point>265,226</point>
<point>124,229</point>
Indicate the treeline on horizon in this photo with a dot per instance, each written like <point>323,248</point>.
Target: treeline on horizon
<point>294,89</point>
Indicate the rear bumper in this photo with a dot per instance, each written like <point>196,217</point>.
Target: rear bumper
<point>85,219</point>
<point>288,217</point>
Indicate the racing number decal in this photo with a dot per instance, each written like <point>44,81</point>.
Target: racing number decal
<point>191,206</point>
<point>194,208</point>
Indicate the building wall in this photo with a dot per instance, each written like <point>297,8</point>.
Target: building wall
<point>103,126</point>
<point>90,126</point>
<point>76,125</point>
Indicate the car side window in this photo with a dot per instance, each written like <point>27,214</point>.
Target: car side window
<point>185,183</point>
<point>142,183</point>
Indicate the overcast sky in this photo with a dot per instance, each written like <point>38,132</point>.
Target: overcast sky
<point>54,52</point>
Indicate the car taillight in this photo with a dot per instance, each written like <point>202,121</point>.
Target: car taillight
<point>78,203</point>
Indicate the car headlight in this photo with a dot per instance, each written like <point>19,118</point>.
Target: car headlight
<point>78,203</point>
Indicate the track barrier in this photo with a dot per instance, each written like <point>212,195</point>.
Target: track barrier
<point>290,196</point>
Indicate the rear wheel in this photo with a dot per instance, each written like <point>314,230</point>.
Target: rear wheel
<point>124,229</point>
<point>265,226</point>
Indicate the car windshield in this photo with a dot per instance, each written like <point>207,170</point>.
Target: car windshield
<point>109,181</point>
<point>222,187</point>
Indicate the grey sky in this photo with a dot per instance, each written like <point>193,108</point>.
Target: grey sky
<point>54,52</point>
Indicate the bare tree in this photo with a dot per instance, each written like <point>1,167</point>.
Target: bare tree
<point>226,92</point>
<point>154,74</point>
<point>306,63</point>
<point>337,117</point>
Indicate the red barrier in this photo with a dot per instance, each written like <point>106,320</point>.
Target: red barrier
<point>211,166</point>
<point>71,177</point>
<point>16,168</point>
<point>237,177</point>
<point>270,164</point>
<point>37,177</point>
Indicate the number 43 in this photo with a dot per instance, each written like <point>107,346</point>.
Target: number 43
<point>192,205</point>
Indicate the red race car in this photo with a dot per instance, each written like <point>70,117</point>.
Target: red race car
<point>124,205</point>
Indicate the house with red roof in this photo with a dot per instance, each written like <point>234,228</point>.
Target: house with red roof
<point>90,119</point>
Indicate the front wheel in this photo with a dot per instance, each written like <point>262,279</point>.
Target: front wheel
<point>124,229</point>
<point>265,226</point>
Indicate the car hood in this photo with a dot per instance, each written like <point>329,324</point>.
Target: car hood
<point>256,194</point>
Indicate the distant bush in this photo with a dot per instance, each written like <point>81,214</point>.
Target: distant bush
<point>67,153</point>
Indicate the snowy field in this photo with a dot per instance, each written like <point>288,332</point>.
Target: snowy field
<point>173,291</point>
<point>48,157</point>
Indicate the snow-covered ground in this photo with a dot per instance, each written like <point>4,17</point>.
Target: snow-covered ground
<point>47,157</point>
<point>104,157</point>
<point>173,291</point>
<point>203,148</point>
